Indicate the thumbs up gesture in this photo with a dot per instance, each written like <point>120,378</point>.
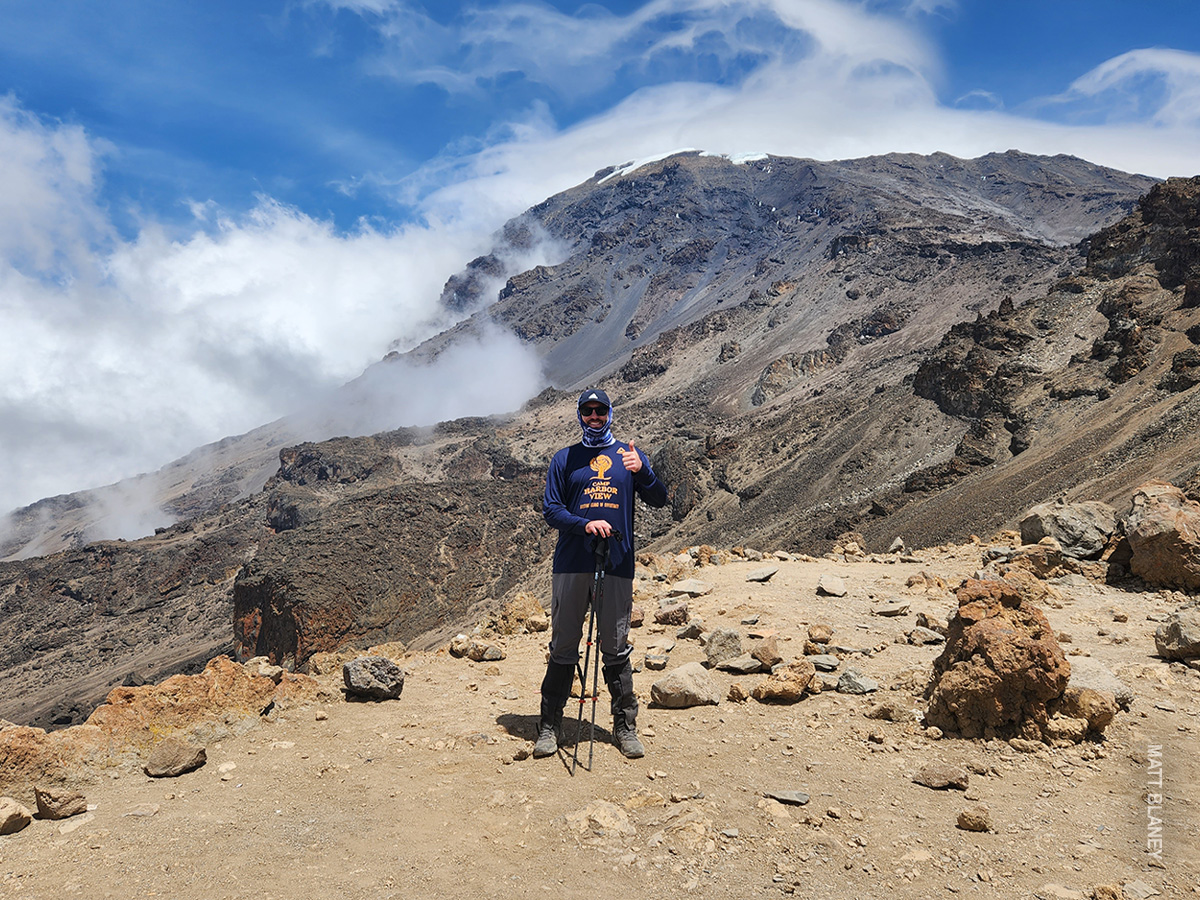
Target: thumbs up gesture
<point>631,459</point>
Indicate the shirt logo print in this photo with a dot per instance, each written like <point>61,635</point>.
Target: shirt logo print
<point>600,465</point>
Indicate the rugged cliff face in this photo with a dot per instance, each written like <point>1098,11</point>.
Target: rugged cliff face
<point>835,254</point>
<point>912,346</point>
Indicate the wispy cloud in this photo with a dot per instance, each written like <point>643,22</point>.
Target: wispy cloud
<point>1158,87</point>
<point>49,219</point>
<point>576,56</point>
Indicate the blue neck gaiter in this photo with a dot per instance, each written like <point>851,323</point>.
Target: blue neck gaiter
<point>597,437</point>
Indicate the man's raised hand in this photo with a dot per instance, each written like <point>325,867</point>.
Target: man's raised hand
<point>631,459</point>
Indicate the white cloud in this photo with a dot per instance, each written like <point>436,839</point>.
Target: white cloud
<point>492,372</point>
<point>119,356</point>
<point>48,215</point>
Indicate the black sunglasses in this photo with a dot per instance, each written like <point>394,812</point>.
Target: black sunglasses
<point>588,411</point>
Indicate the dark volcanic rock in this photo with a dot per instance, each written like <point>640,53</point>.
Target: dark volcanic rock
<point>386,565</point>
<point>373,678</point>
<point>78,622</point>
<point>1081,529</point>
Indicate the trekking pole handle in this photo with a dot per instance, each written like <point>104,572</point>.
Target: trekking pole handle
<point>601,546</point>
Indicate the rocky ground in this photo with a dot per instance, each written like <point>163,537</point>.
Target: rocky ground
<point>435,794</point>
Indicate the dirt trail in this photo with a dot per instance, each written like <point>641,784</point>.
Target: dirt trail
<point>433,795</point>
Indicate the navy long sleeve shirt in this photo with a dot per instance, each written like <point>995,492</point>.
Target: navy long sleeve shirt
<point>586,483</point>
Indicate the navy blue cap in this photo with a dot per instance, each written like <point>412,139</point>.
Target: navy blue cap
<point>594,395</point>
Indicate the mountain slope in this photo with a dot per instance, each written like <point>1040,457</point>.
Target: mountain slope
<point>886,346</point>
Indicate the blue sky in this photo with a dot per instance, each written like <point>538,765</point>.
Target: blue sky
<point>210,211</point>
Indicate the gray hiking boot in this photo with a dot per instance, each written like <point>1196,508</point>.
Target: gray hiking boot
<point>626,739</point>
<point>547,740</point>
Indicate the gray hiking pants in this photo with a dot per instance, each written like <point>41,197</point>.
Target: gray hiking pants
<point>569,611</point>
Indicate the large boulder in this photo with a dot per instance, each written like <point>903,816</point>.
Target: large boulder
<point>689,685</point>
<point>63,759</point>
<point>1179,636</point>
<point>1163,527</point>
<point>1081,529</point>
<point>373,678</point>
<point>1000,669</point>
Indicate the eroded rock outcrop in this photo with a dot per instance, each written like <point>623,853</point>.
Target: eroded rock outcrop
<point>225,699</point>
<point>1001,668</point>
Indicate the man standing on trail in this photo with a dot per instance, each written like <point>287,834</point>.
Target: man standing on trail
<point>589,495</point>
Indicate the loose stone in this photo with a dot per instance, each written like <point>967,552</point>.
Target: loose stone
<point>373,678</point>
<point>763,574</point>
<point>942,776</point>
<point>13,816</point>
<point>54,803</point>
<point>975,818</point>
<point>832,586</point>
<point>795,798</point>
<point>853,681</point>
<point>172,757</point>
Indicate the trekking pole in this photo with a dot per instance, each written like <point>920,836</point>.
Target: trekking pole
<point>594,598</point>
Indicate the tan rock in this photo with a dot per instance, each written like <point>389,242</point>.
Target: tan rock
<point>892,711</point>
<point>30,756</point>
<point>820,633</point>
<point>515,616</point>
<point>673,614</point>
<point>1063,730</point>
<point>261,665</point>
<point>1163,527</point>
<point>926,581</point>
<point>13,816</point>
<point>942,776</point>
<point>328,661</point>
<point>172,757</point>
<point>1031,588</point>
<point>975,818</point>
<point>57,803</point>
<point>787,684</point>
<point>766,651</point>
<point>1097,708</point>
<point>689,685</point>
<point>483,651</point>
<point>1044,559</point>
<point>832,586</point>
<point>221,701</point>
